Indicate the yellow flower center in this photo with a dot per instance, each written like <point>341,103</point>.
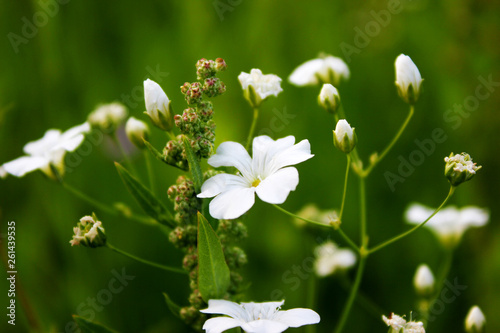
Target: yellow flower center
<point>256,183</point>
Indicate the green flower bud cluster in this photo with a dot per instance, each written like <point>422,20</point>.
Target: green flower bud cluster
<point>186,204</point>
<point>196,122</point>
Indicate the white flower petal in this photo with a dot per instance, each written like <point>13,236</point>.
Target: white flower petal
<point>233,203</point>
<point>22,165</point>
<point>473,216</point>
<point>220,324</point>
<point>293,155</point>
<point>232,154</point>
<point>305,74</point>
<point>275,188</point>
<point>3,173</point>
<point>228,308</point>
<point>220,183</point>
<point>38,147</point>
<point>264,326</point>
<point>417,213</point>
<point>297,317</point>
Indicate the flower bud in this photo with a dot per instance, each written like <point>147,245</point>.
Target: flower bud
<point>459,168</point>
<point>108,117</point>
<point>424,280</point>
<point>344,136</point>
<point>158,106</point>
<point>89,232</point>
<point>408,79</point>
<point>329,98</point>
<point>137,130</point>
<point>257,86</point>
<point>475,321</point>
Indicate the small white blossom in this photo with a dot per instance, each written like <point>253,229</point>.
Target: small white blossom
<point>158,106</point>
<point>330,258</point>
<point>88,232</point>
<point>408,79</point>
<point>449,223</point>
<point>399,325</point>
<point>136,131</point>
<point>312,212</point>
<point>327,69</point>
<point>49,150</point>
<point>459,168</point>
<point>344,136</point>
<point>256,317</point>
<point>257,86</point>
<point>329,98</point>
<point>268,174</point>
<point>423,280</point>
<point>108,117</point>
<point>475,320</point>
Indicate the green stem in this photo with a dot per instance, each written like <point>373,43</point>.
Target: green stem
<point>149,168</point>
<point>341,232</point>
<point>311,299</point>
<point>406,233</point>
<point>345,186</point>
<point>391,144</point>
<point>364,301</point>
<point>352,296</point>
<point>147,262</point>
<point>108,209</point>
<point>362,202</point>
<point>252,128</point>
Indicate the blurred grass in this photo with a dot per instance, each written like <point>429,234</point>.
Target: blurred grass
<point>94,52</point>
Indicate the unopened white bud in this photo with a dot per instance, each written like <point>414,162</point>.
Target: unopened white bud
<point>344,136</point>
<point>329,98</point>
<point>137,130</point>
<point>408,79</point>
<point>158,106</point>
<point>424,280</point>
<point>475,321</point>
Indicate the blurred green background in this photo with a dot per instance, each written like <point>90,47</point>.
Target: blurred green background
<point>82,53</point>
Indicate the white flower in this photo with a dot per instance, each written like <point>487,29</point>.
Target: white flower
<point>46,151</point>
<point>459,168</point>
<point>268,174</point>
<point>329,259</point>
<point>312,212</point>
<point>136,130</point>
<point>397,323</point>
<point>256,317</point>
<point>329,98</point>
<point>257,86</point>
<point>88,232</point>
<point>408,79</point>
<point>108,116</point>
<point>158,105</point>
<point>328,69</point>
<point>344,136</point>
<point>423,280</point>
<point>449,223</point>
<point>475,321</point>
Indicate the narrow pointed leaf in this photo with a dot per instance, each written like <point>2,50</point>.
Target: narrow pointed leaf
<point>213,273</point>
<point>86,326</point>
<point>148,202</point>
<point>194,165</point>
<point>174,308</point>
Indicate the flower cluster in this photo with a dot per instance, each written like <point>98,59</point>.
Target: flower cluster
<point>400,325</point>
<point>89,232</point>
<point>459,168</point>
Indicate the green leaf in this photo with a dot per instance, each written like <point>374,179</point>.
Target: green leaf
<point>148,202</point>
<point>90,327</point>
<point>194,165</point>
<point>174,308</point>
<point>213,273</point>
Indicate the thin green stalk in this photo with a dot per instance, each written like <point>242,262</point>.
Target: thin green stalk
<point>311,299</point>
<point>406,233</point>
<point>149,168</point>
<point>362,202</point>
<point>147,262</point>
<point>352,296</point>
<point>364,301</point>
<point>391,144</point>
<point>252,128</point>
<point>345,186</point>
<point>341,232</point>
